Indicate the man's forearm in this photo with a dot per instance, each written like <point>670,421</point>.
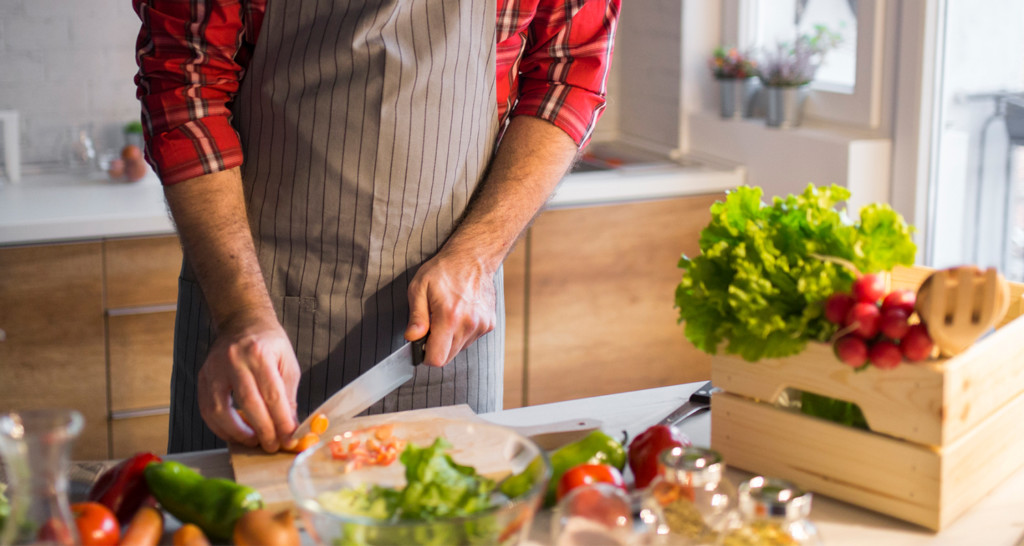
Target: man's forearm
<point>209,212</point>
<point>534,155</point>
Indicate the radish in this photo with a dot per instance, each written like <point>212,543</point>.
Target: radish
<point>837,306</point>
<point>885,355</point>
<point>893,323</point>
<point>851,350</point>
<point>864,318</point>
<point>900,299</point>
<point>869,288</point>
<point>917,344</point>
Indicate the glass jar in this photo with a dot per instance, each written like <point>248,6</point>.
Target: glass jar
<point>772,512</point>
<point>35,446</point>
<point>689,501</point>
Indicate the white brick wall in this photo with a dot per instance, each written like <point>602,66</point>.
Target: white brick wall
<point>66,63</point>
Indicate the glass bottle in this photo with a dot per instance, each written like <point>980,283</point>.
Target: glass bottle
<point>772,512</point>
<point>689,501</point>
<point>35,446</point>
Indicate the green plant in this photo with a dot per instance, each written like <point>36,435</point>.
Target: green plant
<point>795,64</point>
<point>133,127</point>
<point>731,64</point>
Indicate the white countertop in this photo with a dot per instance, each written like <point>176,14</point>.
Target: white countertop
<point>65,207</point>
<point>996,520</point>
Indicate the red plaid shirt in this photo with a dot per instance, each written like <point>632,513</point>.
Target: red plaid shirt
<point>552,63</point>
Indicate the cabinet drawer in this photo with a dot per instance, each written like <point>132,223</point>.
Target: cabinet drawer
<point>141,354</point>
<point>131,435</point>
<point>141,272</point>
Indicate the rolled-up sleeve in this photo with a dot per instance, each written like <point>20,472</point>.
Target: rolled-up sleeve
<point>564,70</point>
<point>189,71</point>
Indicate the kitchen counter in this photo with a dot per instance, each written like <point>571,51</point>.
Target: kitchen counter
<point>63,207</point>
<point>997,520</point>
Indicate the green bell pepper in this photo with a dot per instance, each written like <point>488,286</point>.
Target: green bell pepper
<point>596,448</point>
<point>214,504</point>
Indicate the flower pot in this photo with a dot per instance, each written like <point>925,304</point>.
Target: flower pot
<point>785,105</point>
<point>735,95</point>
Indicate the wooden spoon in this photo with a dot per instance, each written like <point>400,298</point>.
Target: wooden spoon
<point>960,304</point>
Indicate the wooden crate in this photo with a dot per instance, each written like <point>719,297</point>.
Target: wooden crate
<point>943,433</point>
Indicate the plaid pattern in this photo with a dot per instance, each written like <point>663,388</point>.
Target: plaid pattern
<point>552,63</point>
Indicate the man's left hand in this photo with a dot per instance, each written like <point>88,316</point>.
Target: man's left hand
<point>452,297</point>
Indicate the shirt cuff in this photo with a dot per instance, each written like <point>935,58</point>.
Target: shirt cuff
<point>195,148</point>
<point>572,109</point>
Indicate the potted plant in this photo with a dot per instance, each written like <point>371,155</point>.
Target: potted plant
<point>786,71</point>
<point>734,71</point>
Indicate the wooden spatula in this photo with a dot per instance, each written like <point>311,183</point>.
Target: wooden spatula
<point>960,304</point>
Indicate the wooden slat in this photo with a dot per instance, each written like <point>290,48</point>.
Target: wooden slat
<point>142,271</point>
<point>883,474</point>
<point>53,356</point>
<point>130,436</point>
<point>141,355</point>
<point>515,332</point>
<point>602,283</point>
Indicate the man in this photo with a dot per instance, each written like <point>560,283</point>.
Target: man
<point>331,169</point>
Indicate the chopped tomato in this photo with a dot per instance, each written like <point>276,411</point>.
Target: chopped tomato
<point>380,448</point>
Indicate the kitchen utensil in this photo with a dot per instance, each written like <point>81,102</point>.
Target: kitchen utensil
<point>384,377</point>
<point>960,304</point>
<point>699,401</point>
<point>316,478</point>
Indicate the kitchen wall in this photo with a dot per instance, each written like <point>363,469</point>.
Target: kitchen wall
<point>66,64</point>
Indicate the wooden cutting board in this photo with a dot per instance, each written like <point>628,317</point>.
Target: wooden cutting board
<point>268,472</point>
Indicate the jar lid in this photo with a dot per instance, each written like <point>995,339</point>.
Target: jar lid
<point>773,498</point>
<point>694,466</point>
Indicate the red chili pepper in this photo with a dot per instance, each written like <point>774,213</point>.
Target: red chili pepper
<point>123,488</point>
<point>645,448</point>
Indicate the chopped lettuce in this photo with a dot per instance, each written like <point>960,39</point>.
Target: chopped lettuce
<point>759,284</point>
<point>437,488</point>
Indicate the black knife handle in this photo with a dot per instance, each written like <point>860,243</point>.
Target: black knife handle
<point>703,394</point>
<point>419,350</point>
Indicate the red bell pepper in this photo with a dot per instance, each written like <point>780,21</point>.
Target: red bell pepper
<point>123,488</point>
<point>645,448</point>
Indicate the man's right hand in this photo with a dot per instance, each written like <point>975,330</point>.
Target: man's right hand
<point>248,384</point>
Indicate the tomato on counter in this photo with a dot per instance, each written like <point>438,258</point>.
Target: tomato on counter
<point>586,474</point>
<point>645,448</point>
<point>97,525</point>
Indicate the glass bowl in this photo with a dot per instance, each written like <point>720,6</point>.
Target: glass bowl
<point>322,474</point>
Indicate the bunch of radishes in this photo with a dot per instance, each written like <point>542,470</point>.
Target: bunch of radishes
<point>875,327</point>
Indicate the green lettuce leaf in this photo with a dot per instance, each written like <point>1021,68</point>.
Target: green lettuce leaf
<point>758,286</point>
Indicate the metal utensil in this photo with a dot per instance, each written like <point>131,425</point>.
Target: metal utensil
<point>699,401</point>
<point>386,376</point>
<point>960,304</point>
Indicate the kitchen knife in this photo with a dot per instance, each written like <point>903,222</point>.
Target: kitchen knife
<point>699,401</point>
<point>384,377</point>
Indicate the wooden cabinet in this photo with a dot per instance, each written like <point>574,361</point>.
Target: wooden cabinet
<point>90,326</point>
<point>52,354</point>
<point>598,299</point>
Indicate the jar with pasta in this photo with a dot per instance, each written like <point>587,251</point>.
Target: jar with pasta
<point>690,500</point>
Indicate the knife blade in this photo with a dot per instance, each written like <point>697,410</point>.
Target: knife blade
<point>699,401</point>
<point>384,377</point>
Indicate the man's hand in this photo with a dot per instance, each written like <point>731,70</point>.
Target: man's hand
<point>253,367</point>
<point>452,297</point>
<point>452,294</point>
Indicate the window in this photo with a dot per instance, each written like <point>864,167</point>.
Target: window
<point>848,88</point>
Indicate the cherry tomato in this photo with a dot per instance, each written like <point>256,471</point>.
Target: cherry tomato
<point>97,525</point>
<point>586,474</point>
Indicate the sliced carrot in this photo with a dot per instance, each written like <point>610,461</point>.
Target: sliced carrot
<point>306,442</point>
<point>319,424</point>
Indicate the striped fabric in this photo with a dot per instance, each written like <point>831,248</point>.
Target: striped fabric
<point>359,164</point>
<point>552,62</point>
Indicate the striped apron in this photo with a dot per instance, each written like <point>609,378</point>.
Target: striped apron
<point>366,126</point>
